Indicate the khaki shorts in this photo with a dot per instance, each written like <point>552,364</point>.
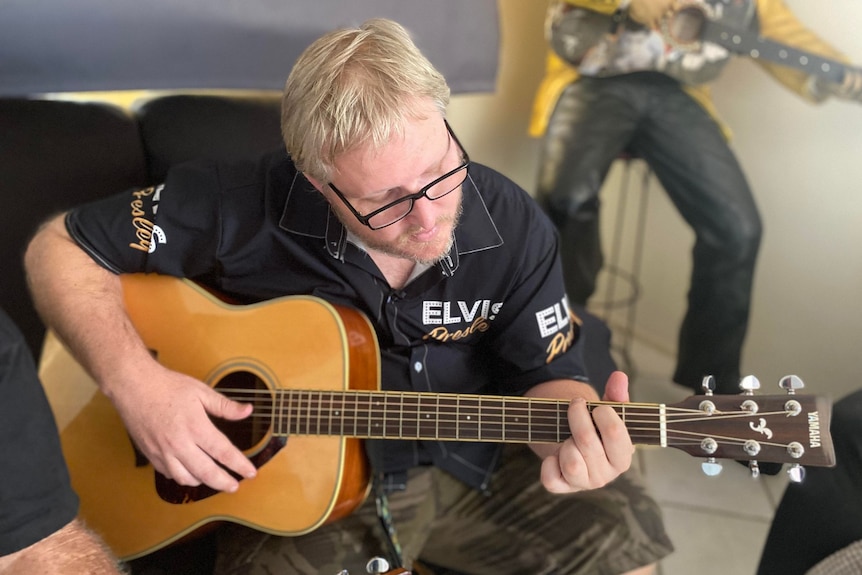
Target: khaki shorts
<point>518,529</point>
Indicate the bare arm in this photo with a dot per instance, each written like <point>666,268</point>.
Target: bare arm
<point>73,550</point>
<point>165,412</point>
<point>599,449</point>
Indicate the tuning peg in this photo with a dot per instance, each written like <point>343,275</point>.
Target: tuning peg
<point>377,565</point>
<point>790,383</point>
<point>749,384</point>
<point>796,473</point>
<point>708,385</point>
<point>711,467</point>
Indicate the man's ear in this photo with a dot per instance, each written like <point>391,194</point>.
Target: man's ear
<point>315,182</point>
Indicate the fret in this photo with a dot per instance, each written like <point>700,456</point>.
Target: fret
<point>411,413</point>
<point>437,419</point>
<point>401,417</point>
<point>385,420</point>
<point>562,420</point>
<point>330,408</point>
<point>418,416</point>
<point>503,420</point>
<point>479,419</point>
<point>341,415</point>
<point>355,414</point>
<point>457,417</point>
<point>317,419</point>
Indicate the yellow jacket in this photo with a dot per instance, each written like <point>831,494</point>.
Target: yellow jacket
<point>777,23</point>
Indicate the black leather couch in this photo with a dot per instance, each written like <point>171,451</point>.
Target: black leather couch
<point>57,154</point>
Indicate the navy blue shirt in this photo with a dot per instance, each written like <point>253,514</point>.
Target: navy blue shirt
<point>36,497</point>
<point>490,318</point>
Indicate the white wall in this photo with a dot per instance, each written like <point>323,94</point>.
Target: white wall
<point>804,163</point>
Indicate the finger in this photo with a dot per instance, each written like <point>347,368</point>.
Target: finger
<point>221,406</point>
<point>552,476</point>
<point>585,439</point>
<point>617,388</point>
<point>221,449</point>
<point>217,445</point>
<point>204,469</point>
<point>615,438</point>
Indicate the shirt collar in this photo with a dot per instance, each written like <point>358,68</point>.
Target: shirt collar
<point>307,213</point>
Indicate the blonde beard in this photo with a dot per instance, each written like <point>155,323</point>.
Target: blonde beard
<point>400,247</point>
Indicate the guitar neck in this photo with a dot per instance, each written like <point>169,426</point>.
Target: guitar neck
<point>787,429</point>
<point>759,48</point>
<point>438,416</point>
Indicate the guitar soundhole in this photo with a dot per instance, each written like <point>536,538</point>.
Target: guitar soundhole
<point>246,387</point>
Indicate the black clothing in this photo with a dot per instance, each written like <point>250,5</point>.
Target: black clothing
<point>490,318</point>
<point>649,115</point>
<point>822,514</point>
<point>36,496</point>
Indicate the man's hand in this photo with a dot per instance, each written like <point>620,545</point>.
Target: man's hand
<point>849,89</point>
<point>167,416</point>
<point>649,12</point>
<point>599,449</point>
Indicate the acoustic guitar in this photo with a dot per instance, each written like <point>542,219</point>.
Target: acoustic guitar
<point>311,371</point>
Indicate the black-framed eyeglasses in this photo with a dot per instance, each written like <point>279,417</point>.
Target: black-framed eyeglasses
<point>395,211</point>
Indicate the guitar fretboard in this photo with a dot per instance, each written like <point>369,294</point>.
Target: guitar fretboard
<point>436,416</point>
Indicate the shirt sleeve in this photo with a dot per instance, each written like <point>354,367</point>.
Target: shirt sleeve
<point>171,228</point>
<point>36,496</point>
<point>539,336</point>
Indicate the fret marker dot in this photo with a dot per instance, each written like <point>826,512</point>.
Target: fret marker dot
<point>469,417</point>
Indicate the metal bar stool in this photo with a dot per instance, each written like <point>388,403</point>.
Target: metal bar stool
<point>617,300</point>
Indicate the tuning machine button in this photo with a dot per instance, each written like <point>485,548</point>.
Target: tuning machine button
<point>377,565</point>
<point>749,384</point>
<point>711,467</point>
<point>790,383</point>
<point>796,473</point>
<point>708,385</point>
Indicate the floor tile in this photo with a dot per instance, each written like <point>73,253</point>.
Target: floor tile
<point>718,524</point>
<point>710,544</point>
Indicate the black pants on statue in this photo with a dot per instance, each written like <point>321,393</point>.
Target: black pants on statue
<point>823,514</point>
<point>648,115</point>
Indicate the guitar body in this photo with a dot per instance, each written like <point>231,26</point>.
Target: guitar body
<point>296,342</point>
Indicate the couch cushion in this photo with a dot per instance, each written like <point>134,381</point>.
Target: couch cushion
<point>183,127</point>
<point>54,155</point>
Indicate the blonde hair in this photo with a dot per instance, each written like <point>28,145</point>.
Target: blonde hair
<point>351,87</point>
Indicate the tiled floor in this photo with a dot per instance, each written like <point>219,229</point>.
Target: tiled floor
<point>717,524</point>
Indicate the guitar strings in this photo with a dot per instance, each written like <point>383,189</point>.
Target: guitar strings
<point>525,419</point>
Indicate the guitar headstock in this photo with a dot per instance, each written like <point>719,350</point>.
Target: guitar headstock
<point>790,428</point>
